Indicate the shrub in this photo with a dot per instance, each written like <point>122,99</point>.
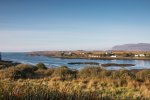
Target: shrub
<point>40,73</point>
<point>105,73</point>
<point>143,75</point>
<point>90,72</point>
<point>25,68</point>
<point>10,72</point>
<point>41,66</point>
<point>114,85</point>
<point>64,72</point>
<point>19,71</point>
<point>123,74</point>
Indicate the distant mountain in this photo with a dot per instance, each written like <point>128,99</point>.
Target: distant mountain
<point>133,47</point>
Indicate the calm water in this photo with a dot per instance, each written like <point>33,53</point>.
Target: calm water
<point>55,62</point>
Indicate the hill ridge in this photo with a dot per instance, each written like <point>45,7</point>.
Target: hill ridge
<point>133,47</point>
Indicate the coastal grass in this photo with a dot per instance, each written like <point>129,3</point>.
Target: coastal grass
<point>27,82</point>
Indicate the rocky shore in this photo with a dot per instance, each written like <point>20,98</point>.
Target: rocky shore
<point>103,65</point>
<point>118,65</point>
<point>89,63</point>
<point>6,64</point>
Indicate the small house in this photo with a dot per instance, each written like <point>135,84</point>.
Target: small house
<point>66,53</point>
<point>94,56</point>
<point>136,55</point>
<point>82,53</point>
<point>108,52</point>
<point>142,55</point>
<point>113,56</point>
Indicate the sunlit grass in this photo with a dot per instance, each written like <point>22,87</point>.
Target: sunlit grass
<point>24,82</point>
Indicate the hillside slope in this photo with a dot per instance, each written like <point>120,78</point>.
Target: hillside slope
<point>133,47</point>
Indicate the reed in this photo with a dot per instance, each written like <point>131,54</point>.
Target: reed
<point>89,83</point>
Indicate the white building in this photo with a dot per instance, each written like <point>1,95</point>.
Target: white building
<point>82,53</point>
<point>136,55</point>
<point>94,56</point>
<point>141,55</point>
<point>113,56</point>
<point>108,52</point>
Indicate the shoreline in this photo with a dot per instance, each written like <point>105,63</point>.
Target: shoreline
<point>7,64</point>
<point>102,58</point>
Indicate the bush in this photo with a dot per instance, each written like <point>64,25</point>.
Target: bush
<point>123,74</point>
<point>64,72</point>
<point>90,72</point>
<point>19,71</point>
<point>40,73</point>
<point>10,72</point>
<point>93,83</point>
<point>143,75</point>
<point>41,66</point>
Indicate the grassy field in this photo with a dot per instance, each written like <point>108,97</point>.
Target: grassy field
<point>26,82</point>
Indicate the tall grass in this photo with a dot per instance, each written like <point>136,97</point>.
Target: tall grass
<point>26,82</point>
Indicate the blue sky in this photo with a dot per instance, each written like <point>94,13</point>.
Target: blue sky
<point>28,25</point>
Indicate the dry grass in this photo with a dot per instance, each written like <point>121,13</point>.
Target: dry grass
<point>91,83</point>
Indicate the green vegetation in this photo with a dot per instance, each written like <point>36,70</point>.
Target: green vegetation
<point>27,82</point>
<point>41,66</point>
<point>19,71</point>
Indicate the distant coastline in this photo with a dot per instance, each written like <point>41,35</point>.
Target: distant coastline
<point>103,58</point>
<point>96,55</point>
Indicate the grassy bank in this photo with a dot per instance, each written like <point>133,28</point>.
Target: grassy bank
<point>27,82</point>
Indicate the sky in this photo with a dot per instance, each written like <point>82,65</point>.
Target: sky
<point>37,25</point>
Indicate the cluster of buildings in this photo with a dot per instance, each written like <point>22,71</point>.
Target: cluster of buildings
<point>94,56</point>
<point>108,53</point>
<point>139,55</point>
